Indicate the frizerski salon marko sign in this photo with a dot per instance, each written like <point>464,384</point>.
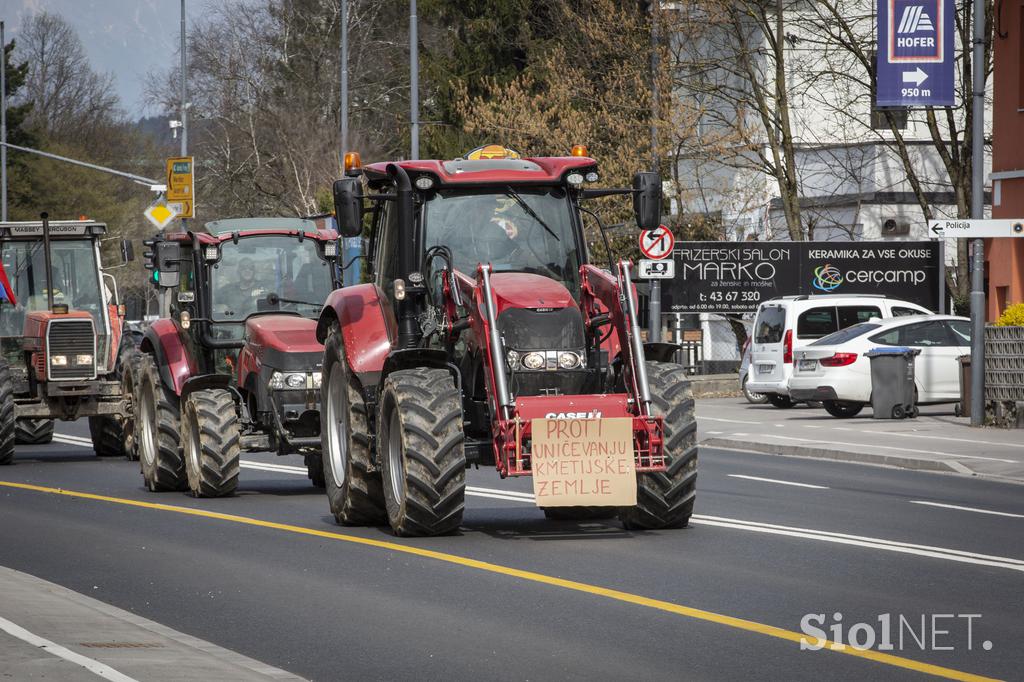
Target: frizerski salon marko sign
<point>724,277</point>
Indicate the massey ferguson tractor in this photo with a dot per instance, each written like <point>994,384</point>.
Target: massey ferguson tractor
<point>485,319</point>
<point>60,331</point>
<point>236,367</point>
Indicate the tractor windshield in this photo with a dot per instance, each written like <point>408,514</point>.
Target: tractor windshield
<point>76,282</point>
<point>268,274</point>
<point>515,230</point>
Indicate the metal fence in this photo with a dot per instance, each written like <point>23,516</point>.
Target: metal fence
<point>1004,363</point>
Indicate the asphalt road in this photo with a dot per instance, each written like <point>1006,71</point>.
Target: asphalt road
<point>517,597</point>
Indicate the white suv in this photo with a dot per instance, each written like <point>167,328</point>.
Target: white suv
<point>784,325</point>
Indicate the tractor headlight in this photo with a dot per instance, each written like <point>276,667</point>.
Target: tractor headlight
<point>59,360</point>
<point>513,359</point>
<point>533,361</point>
<point>83,359</point>
<point>282,380</point>
<point>568,360</point>
<point>317,379</point>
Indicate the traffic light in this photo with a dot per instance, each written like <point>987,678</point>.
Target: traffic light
<point>163,260</point>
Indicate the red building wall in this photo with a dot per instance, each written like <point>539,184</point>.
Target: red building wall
<point>1005,257</point>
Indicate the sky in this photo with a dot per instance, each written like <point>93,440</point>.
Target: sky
<point>129,39</point>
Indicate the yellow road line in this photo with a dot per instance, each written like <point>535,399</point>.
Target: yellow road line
<point>617,595</point>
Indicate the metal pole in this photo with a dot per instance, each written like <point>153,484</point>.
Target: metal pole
<point>654,299</point>
<point>344,82</point>
<point>45,217</point>
<point>148,182</point>
<point>414,88</point>
<point>978,211</point>
<point>184,91</point>
<point>942,275</point>
<point>3,126</point>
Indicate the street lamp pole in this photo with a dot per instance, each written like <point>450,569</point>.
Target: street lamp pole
<point>978,212</point>
<point>344,82</point>
<point>3,126</point>
<point>414,88</point>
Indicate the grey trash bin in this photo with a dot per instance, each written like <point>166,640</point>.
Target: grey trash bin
<point>892,382</point>
<point>963,408</point>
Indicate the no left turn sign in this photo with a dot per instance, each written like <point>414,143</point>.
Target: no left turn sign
<point>657,243</point>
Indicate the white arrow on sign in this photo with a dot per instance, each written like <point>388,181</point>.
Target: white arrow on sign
<point>917,76</point>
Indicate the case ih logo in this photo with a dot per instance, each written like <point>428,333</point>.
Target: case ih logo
<point>918,35</point>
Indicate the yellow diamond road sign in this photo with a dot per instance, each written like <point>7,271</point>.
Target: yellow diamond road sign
<point>160,215</point>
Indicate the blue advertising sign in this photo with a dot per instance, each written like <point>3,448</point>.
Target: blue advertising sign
<point>915,53</point>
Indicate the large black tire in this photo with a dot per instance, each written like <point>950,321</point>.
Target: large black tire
<point>422,453</point>
<point>314,462</point>
<point>129,369</point>
<point>107,436</point>
<point>158,430</point>
<point>33,431</point>
<point>580,513</point>
<point>7,427</point>
<point>211,442</point>
<point>665,499</point>
<point>783,402</point>
<point>352,481</point>
<point>842,409</point>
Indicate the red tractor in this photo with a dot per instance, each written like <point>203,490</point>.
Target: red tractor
<point>61,335</point>
<point>485,315</point>
<point>237,366</point>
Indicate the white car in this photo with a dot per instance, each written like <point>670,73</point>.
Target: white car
<point>835,371</point>
<point>788,324</point>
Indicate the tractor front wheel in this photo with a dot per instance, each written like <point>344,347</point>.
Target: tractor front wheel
<point>422,451</point>
<point>130,360</point>
<point>157,430</point>
<point>665,499</point>
<point>7,427</point>
<point>33,431</point>
<point>352,483</point>
<point>107,436</point>
<point>212,442</point>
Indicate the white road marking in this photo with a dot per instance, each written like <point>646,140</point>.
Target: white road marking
<point>922,435</point>
<point>775,480</point>
<point>728,421</point>
<point>72,440</point>
<point>893,447</point>
<point>90,664</point>
<point>970,509</point>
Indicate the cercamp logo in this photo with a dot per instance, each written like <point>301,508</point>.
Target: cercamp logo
<point>915,19</point>
<point>827,277</point>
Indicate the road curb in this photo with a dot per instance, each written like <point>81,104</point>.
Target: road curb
<point>38,601</point>
<point>813,452</point>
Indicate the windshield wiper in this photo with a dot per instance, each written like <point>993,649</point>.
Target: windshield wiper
<point>533,214</point>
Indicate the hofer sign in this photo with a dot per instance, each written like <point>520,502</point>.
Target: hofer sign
<point>734,277</point>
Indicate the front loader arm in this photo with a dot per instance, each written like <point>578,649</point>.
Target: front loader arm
<point>617,295</point>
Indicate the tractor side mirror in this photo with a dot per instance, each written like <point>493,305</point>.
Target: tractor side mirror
<point>127,251</point>
<point>647,200</point>
<point>168,257</point>
<point>348,207</point>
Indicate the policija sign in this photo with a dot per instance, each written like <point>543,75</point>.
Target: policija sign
<point>731,277</point>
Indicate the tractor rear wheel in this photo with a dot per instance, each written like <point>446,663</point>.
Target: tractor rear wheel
<point>352,482</point>
<point>212,442</point>
<point>157,430</point>
<point>33,431</point>
<point>107,436</point>
<point>665,499</point>
<point>419,433</point>
<point>7,427</point>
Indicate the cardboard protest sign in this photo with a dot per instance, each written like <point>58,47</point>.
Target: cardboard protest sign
<point>583,462</point>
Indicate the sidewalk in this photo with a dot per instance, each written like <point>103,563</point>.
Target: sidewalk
<point>935,441</point>
<point>48,632</point>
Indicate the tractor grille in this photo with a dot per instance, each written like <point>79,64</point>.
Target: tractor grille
<point>71,338</point>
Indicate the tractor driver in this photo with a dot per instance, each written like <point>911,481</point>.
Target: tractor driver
<point>240,295</point>
<point>497,240</point>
